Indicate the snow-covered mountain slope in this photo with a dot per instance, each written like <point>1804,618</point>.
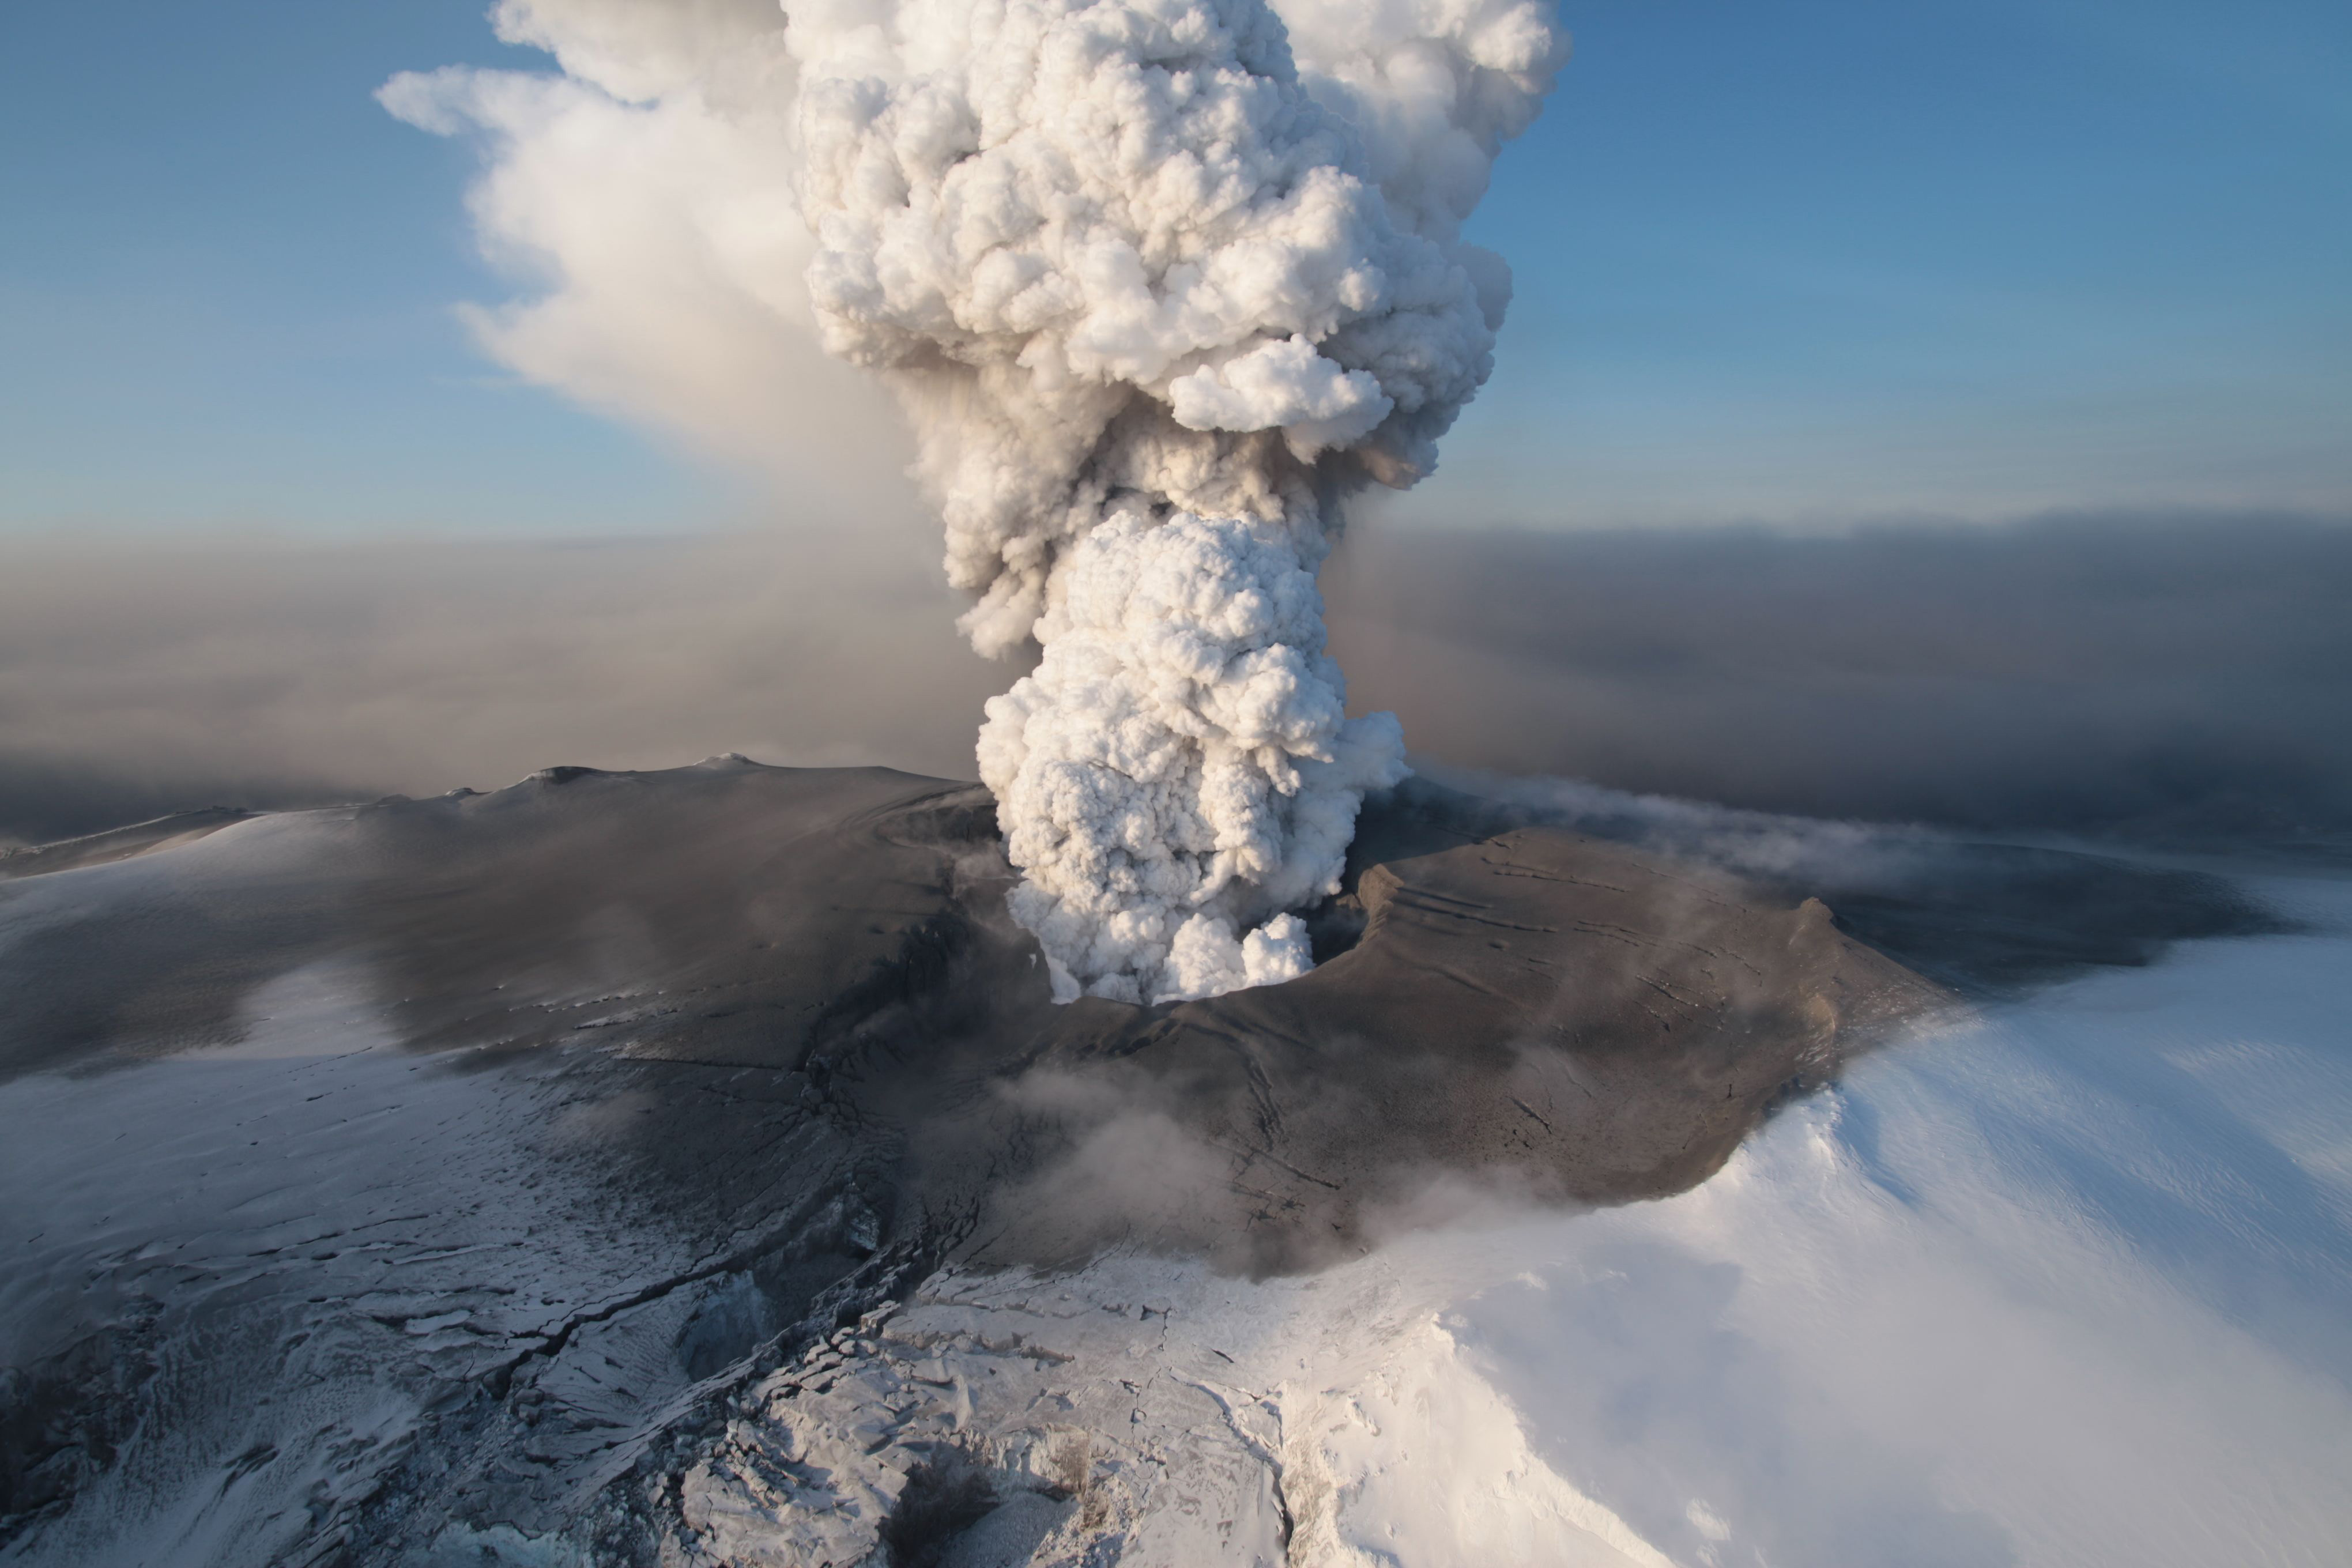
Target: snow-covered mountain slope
<point>694,1162</point>
<point>2062,1282</point>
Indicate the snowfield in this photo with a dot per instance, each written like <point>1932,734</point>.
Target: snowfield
<point>2057,1278</point>
<point>2062,1282</point>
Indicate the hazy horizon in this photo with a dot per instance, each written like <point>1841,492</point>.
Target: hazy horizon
<point>2166,676</point>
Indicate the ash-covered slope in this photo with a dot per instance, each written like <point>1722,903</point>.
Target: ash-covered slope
<point>448,1161</point>
<point>1599,1021</point>
<point>1560,1016</point>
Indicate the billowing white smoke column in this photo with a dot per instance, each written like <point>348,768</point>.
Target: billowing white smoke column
<point>1157,282</point>
<point>1153,306</point>
<point>1178,768</point>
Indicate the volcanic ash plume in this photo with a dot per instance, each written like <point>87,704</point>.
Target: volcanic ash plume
<point>1156,299</point>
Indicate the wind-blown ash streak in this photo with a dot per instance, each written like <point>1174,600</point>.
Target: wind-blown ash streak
<point>1159,282</point>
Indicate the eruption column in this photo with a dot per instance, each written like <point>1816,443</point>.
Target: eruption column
<point>1156,302</point>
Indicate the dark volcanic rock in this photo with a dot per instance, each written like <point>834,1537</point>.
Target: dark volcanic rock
<point>1988,917</point>
<point>486,1135</point>
<point>1555,1014</point>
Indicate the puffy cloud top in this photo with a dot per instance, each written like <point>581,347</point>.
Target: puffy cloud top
<point>1062,216</point>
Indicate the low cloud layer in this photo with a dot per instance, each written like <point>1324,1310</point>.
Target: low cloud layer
<point>136,681</point>
<point>2175,676</point>
<point>2167,675</point>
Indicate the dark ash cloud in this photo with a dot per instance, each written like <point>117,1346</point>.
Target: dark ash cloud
<point>2167,676</point>
<point>2176,677</point>
<point>140,680</point>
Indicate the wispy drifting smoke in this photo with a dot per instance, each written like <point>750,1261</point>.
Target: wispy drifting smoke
<point>643,198</point>
<point>1157,282</point>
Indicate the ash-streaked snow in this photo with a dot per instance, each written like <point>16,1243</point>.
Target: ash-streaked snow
<point>420,1188</point>
<point>2061,1283</point>
<point>285,1251</point>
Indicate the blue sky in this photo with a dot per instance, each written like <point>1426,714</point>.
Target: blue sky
<point>1815,261</point>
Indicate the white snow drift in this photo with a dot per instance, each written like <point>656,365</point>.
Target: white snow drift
<point>1157,282</point>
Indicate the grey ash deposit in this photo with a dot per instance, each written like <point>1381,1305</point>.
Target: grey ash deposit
<point>452,1160</point>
